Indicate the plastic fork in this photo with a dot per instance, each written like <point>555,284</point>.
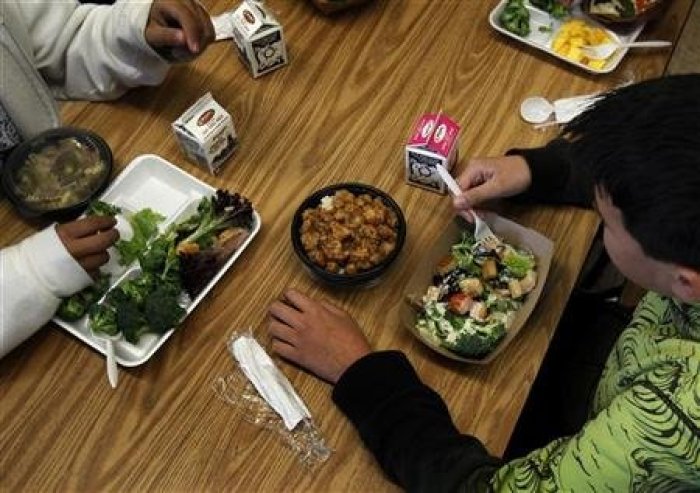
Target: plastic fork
<point>604,50</point>
<point>482,231</point>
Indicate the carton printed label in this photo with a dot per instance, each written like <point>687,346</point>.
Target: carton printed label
<point>432,143</point>
<point>424,128</point>
<point>421,170</point>
<point>269,51</point>
<point>259,38</point>
<point>435,132</point>
<point>205,117</point>
<point>246,20</point>
<point>444,137</point>
<point>206,133</point>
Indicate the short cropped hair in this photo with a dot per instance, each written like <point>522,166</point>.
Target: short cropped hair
<point>641,145</point>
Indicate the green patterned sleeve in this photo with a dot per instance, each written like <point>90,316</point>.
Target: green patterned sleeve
<point>643,441</point>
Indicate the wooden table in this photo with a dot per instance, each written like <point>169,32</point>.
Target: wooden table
<point>340,111</point>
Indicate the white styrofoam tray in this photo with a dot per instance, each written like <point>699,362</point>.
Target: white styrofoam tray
<point>151,181</point>
<point>541,39</point>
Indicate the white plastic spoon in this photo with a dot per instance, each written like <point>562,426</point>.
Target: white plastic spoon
<point>536,109</point>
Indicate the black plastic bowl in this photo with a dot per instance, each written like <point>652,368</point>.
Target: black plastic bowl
<point>42,143</point>
<point>362,278</point>
<point>624,24</point>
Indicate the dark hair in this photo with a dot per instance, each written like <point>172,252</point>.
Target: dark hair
<point>641,146</point>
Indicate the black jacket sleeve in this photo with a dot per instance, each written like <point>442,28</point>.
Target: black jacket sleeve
<point>555,177</point>
<point>407,426</point>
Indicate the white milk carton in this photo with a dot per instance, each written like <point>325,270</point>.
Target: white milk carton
<point>206,133</point>
<point>433,142</point>
<point>258,37</point>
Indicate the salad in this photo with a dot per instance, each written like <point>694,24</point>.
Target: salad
<point>476,291</point>
<point>173,267</point>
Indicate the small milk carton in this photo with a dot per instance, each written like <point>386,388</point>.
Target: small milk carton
<point>258,37</point>
<point>206,133</point>
<point>434,142</point>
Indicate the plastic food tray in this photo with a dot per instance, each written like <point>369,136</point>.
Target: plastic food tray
<point>150,181</point>
<point>544,28</point>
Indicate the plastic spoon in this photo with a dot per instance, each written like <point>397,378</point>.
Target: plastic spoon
<point>112,367</point>
<point>605,50</point>
<point>536,109</point>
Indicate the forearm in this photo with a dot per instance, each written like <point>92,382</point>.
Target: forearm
<point>408,428</point>
<point>34,275</point>
<point>556,178</point>
<point>92,51</point>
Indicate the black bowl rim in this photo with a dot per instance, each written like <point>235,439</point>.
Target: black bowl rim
<point>612,22</point>
<point>347,279</point>
<point>18,155</point>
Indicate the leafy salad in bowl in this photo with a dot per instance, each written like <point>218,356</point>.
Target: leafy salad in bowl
<point>475,294</point>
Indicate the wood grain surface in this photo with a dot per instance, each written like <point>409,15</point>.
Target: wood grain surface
<point>341,111</point>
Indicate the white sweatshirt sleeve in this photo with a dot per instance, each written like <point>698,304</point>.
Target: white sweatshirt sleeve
<point>88,51</point>
<point>34,275</point>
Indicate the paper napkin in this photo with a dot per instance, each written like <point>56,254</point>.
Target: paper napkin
<point>268,380</point>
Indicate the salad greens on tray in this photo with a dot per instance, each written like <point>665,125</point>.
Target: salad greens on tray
<point>173,267</point>
<point>476,291</point>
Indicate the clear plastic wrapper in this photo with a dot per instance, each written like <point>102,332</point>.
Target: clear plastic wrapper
<point>237,389</point>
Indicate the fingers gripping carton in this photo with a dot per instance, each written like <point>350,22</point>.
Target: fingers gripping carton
<point>259,38</point>
<point>433,142</point>
<point>206,133</point>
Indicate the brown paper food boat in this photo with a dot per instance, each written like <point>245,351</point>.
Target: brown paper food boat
<point>512,233</point>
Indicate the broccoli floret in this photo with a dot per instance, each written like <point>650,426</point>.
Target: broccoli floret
<point>71,309</point>
<point>478,344</point>
<point>145,304</point>
<point>138,289</point>
<point>130,321</point>
<point>515,18</point>
<point>77,305</point>
<point>93,293</point>
<point>103,319</point>
<point>162,310</point>
<point>518,262</point>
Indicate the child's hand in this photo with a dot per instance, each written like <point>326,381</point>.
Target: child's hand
<point>316,335</point>
<point>487,179</point>
<point>88,239</point>
<point>184,25</point>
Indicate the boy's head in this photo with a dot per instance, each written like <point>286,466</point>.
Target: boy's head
<point>641,146</point>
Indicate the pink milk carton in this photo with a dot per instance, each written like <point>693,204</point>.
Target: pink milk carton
<point>433,143</point>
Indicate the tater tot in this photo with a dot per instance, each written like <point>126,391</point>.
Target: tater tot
<point>356,234</point>
<point>368,231</point>
<point>386,232</point>
<point>387,247</point>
